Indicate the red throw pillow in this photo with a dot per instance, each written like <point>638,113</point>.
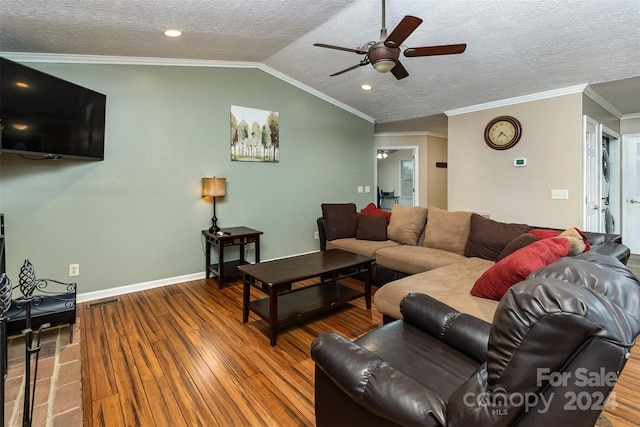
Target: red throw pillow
<point>372,210</point>
<point>495,282</point>
<point>545,233</point>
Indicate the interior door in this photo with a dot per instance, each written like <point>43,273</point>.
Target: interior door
<point>631,192</point>
<point>407,174</point>
<point>591,164</point>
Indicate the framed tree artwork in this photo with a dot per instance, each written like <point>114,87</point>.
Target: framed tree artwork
<point>255,135</point>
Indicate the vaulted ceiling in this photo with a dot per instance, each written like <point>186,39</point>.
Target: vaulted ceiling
<point>514,48</point>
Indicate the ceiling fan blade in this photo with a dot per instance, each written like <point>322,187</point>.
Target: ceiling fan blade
<point>346,49</point>
<point>350,68</point>
<point>399,72</point>
<point>402,31</point>
<point>448,49</point>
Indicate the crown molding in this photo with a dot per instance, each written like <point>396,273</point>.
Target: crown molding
<point>595,96</point>
<point>630,116</point>
<point>518,100</point>
<point>314,92</point>
<point>126,60</point>
<point>415,133</point>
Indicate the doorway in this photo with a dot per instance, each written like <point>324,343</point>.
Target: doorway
<point>396,176</point>
<point>601,178</point>
<point>631,192</point>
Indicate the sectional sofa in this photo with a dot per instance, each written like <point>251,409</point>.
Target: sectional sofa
<point>463,259</point>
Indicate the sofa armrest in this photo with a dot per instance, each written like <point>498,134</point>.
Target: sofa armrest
<point>376,386</point>
<point>617,250</point>
<point>322,235</point>
<point>465,333</point>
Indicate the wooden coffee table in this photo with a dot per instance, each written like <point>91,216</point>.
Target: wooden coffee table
<point>283,305</point>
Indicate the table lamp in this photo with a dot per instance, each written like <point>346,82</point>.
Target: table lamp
<point>214,187</point>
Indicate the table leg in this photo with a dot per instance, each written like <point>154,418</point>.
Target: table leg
<point>273,314</point>
<point>257,260</point>
<point>242,246</point>
<point>220,265</point>
<point>367,286</point>
<point>207,258</point>
<point>246,291</point>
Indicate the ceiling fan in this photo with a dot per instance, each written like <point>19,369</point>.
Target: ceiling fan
<point>383,54</point>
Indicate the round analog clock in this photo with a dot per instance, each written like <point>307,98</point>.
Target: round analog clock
<point>502,132</point>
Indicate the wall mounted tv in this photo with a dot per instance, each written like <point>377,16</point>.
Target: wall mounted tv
<point>47,117</point>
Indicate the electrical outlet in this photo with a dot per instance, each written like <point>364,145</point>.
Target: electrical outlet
<point>74,270</point>
<point>316,235</point>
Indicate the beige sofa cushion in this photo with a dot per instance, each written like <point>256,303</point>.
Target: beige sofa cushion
<point>415,259</point>
<point>447,230</point>
<point>449,284</point>
<point>406,224</point>
<point>362,247</point>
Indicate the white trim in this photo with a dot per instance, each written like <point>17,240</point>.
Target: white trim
<point>126,60</point>
<point>595,96</point>
<point>137,287</point>
<point>313,91</point>
<point>415,133</point>
<point>630,116</point>
<point>518,100</point>
<point>127,289</point>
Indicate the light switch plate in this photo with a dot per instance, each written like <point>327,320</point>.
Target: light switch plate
<point>559,194</point>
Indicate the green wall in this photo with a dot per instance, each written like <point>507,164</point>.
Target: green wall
<point>136,217</point>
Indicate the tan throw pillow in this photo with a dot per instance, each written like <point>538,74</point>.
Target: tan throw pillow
<point>406,224</point>
<point>575,239</point>
<point>447,230</point>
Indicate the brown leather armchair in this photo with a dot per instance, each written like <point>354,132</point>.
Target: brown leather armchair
<point>551,357</point>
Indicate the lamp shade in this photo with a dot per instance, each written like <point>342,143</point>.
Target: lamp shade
<point>214,187</point>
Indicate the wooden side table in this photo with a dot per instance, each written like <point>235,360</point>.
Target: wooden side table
<point>233,236</point>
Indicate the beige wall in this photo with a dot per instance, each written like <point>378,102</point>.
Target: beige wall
<point>628,126</point>
<point>484,180</point>
<point>436,177</point>
<point>432,183</point>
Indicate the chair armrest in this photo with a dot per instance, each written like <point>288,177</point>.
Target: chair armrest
<point>322,235</point>
<point>376,386</point>
<point>617,250</point>
<point>465,333</point>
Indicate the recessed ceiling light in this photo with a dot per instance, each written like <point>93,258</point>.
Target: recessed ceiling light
<point>22,85</point>
<point>173,33</point>
<point>366,87</point>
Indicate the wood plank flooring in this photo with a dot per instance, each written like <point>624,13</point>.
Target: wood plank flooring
<point>181,356</point>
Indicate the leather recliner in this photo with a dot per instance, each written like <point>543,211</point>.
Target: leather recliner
<point>551,357</point>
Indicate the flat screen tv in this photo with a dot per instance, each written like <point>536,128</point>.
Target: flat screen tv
<point>42,115</point>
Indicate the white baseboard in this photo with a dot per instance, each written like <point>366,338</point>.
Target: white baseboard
<point>121,290</point>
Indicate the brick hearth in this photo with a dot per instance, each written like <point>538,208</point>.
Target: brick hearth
<point>58,400</point>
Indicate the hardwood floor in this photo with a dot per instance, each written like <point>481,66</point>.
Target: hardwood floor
<point>181,356</point>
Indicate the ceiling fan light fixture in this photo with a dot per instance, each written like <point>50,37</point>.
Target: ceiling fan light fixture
<point>384,65</point>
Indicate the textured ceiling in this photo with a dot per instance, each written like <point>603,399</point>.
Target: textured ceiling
<point>515,48</point>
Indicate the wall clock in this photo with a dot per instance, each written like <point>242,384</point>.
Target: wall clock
<point>502,132</point>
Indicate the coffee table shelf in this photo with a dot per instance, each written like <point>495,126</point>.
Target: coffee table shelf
<point>305,302</point>
<point>283,305</point>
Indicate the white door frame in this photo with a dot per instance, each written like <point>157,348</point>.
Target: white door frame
<point>591,176</point>
<point>630,207</point>
<point>415,149</point>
